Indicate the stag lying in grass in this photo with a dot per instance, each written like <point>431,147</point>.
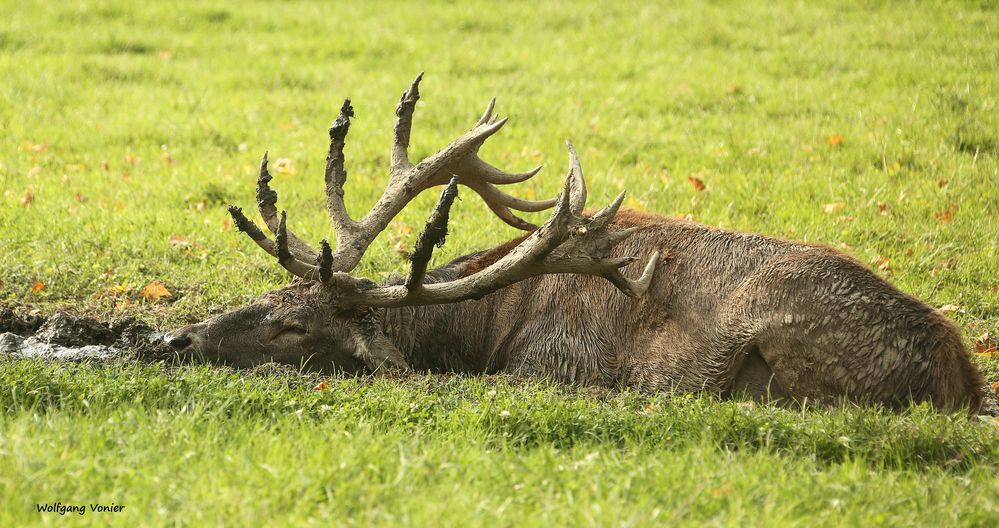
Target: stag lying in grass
<point>711,310</point>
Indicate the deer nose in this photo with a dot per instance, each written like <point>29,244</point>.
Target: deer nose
<point>178,342</point>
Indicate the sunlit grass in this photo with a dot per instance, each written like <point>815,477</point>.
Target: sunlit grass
<point>125,128</point>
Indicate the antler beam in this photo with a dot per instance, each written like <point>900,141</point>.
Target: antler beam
<point>567,243</point>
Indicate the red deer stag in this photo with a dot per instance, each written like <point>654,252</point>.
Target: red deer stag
<point>711,310</point>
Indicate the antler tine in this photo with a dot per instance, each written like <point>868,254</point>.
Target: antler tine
<point>433,235</point>
<point>486,172</point>
<point>488,114</point>
<point>325,261</point>
<point>603,217</point>
<point>267,205</point>
<point>493,195</point>
<point>336,175</point>
<point>635,288</point>
<point>511,219</point>
<point>278,250</point>
<point>578,196</point>
<point>566,243</point>
<point>404,126</point>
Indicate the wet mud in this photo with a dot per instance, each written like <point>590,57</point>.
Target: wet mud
<point>66,337</point>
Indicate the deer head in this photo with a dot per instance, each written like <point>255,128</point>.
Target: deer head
<point>328,317</point>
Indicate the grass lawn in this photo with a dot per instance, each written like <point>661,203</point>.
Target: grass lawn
<point>125,129</point>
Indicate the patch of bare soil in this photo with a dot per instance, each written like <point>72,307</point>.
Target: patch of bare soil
<point>20,321</point>
<point>69,337</point>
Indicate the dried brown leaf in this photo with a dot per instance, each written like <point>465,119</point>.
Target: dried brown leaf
<point>882,263</point>
<point>947,214</point>
<point>154,291</point>
<point>985,344</point>
<point>696,183</point>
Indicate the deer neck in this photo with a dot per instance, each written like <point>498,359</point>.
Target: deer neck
<point>439,338</point>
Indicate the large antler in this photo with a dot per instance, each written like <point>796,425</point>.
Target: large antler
<point>567,243</point>
<point>406,181</point>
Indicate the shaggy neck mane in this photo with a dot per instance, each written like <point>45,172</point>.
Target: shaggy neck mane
<point>486,258</point>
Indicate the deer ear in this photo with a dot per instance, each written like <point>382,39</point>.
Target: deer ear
<point>377,352</point>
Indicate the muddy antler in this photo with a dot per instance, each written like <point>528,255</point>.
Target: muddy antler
<point>406,181</point>
<point>567,243</point>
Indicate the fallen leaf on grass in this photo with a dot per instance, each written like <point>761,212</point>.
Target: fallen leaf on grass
<point>28,146</point>
<point>985,344</point>
<point>28,199</point>
<point>721,491</point>
<point>947,214</point>
<point>882,263</point>
<point>952,308</point>
<point>831,208</point>
<point>284,166</point>
<point>696,183</point>
<point>402,229</point>
<point>37,286</point>
<point>154,291</point>
<point>835,140</point>
<point>401,249</point>
<point>114,291</point>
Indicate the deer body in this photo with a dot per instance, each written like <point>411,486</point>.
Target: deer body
<point>726,313</point>
<point>710,310</point>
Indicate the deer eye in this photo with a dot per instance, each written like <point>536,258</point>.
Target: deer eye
<point>290,330</point>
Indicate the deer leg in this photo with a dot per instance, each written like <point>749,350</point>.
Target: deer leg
<point>755,379</point>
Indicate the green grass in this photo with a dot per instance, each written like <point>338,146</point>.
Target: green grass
<point>202,445</point>
<point>132,125</point>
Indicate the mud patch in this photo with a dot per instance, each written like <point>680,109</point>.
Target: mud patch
<point>65,337</point>
<point>20,322</point>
